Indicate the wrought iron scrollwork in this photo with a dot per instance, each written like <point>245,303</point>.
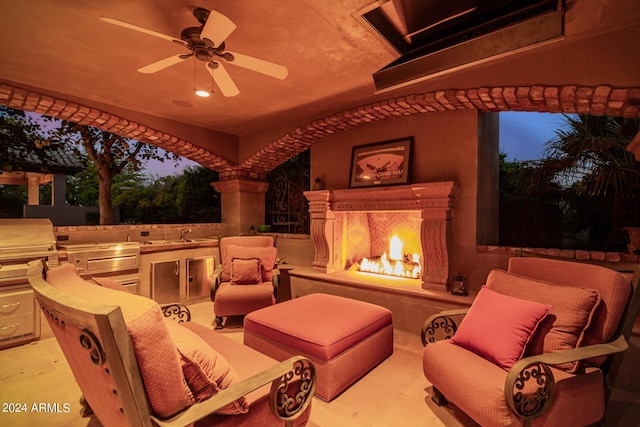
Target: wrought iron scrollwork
<point>89,342</point>
<point>176,312</point>
<point>292,393</point>
<point>287,210</point>
<point>440,327</point>
<point>533,390</point>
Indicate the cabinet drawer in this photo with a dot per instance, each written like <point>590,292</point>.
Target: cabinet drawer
<point>14,326</point>
<point>16,302</point>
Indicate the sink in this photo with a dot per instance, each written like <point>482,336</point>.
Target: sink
<point>177,241</point>
<point>158,242</point>
<point>201,239</point>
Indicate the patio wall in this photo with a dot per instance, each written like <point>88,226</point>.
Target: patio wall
<point>445,149</point>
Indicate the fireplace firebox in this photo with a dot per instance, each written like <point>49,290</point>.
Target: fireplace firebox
<point>350,225</point>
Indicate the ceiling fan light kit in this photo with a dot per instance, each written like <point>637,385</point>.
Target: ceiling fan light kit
<point>207,44</point>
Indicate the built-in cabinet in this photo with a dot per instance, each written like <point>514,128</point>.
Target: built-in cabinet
<point>19,316</point>
<point>165,281</point>
<point>178,275</point>
<point>199,271</point>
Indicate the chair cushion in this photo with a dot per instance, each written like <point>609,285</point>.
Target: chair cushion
<point>571,312</point>
<point>266,254</point>
<point>234,300</point>
<point>205,370</point>
<point>320,325</point>
<point>247,362</point>
<point>476,387</point>
<point>246,271</point>
<point>499,327</point>
<point>614,289</point>
<point>157,357</point>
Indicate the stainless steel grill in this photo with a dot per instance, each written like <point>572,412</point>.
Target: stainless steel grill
<point>22,240</point>
<point>119,261</point>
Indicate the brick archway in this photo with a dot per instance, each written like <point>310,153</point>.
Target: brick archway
<point>595,100</point>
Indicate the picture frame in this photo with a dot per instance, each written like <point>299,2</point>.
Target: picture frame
<point>381,163</point>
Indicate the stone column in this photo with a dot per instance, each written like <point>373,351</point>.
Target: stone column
<point>435,243</point>
<point>437,203</point>
<point>242,203</point>
<point>321,228</point>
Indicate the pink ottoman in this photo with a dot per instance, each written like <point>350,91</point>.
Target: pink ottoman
<point>344,338</point>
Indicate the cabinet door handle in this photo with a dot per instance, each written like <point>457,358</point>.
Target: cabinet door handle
<point>10,308</point>
<point>177,268</point>
<point>15,326</point>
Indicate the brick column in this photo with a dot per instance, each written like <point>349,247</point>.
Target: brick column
<point>242,203</point>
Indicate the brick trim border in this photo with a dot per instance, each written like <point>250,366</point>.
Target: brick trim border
<point>569,254</point>
<point>571,99</point>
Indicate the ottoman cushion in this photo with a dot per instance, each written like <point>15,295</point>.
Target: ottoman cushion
<point>319,324</point>
<point>344,338</point>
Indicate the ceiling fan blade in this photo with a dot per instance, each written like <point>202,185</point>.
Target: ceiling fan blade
<point>216,29</point>
<point>259,65</point>
<point>224,81</point>
<point>140,29</point>
<point>162,64</point>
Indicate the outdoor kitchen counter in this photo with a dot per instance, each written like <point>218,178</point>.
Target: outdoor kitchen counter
<point>148,248</point>
<point>172,245</point>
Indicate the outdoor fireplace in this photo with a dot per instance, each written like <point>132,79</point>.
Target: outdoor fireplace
<point>396,262</point>
<point>350,228</point>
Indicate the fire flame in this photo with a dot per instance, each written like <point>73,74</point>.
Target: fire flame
<point>396,263</point>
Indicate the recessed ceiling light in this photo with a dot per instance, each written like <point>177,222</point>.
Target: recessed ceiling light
<point>202,93</point>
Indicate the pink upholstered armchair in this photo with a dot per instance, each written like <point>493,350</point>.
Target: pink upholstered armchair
<point>541,344</point>
<point>247,279</point>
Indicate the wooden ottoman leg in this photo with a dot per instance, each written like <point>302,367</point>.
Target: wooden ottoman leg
<point>219,322</point>
<point>439,398</point>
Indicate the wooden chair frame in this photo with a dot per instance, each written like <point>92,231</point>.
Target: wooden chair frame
<point>106,341</point>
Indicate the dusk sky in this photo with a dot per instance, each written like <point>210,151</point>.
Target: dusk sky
<point>522,137</point>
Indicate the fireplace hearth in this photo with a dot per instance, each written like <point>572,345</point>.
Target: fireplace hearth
<point>352,224</point>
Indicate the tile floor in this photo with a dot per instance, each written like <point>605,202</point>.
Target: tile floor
<point>395,393</point>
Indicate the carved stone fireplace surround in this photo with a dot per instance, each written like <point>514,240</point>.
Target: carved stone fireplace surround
<point>434,202</point>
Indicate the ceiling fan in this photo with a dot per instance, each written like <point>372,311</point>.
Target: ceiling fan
<point>206,43</point>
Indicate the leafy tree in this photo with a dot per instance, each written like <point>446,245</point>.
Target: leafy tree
<point>527,216</point>
<point>16,127</point>
<point>197,200</point>
<point>110,155</point>
<point>188,197</point>
<point>82,188</point>
<point>601,180</point>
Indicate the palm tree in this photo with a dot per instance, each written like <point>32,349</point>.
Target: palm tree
<point>588,158</point>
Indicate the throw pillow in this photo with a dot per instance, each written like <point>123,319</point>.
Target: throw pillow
<point>205,370</point>
<point>246,271</point>
<point>572,309</point>
<point>498,327</point>
<point>267,255</point>
<point>155,352</point>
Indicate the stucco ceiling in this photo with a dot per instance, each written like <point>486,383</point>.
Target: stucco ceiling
<point>61,48</point>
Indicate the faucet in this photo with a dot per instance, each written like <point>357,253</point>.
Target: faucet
<point>183,233</point>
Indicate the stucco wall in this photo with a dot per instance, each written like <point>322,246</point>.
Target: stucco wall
<point>445,148</point>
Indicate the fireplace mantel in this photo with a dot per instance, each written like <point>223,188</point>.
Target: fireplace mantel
<point>434,201</point>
